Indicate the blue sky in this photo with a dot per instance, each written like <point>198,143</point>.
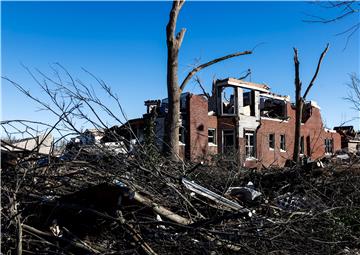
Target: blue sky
<point>124,44</point>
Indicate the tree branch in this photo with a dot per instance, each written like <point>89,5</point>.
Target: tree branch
<point>171,26</point>
<point>316,72</point>
<point>246,75</point>
<point>180,37</point>
<point>325,21</point>
<point>197,79</point>
<point>214,61</point>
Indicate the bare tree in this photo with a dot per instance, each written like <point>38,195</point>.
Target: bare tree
<point>174,40</point>
<point>299,100</point>
<point>74,103</point>
<point>354,92</point>
<point>341,10</point>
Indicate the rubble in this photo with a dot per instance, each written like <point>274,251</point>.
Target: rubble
<point>96,201</point>
<point>211,195</point>
<point>245,194</point>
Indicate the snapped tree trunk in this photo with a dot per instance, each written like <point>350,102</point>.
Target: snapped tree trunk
<point>173,42</point>
<point>298,111</point>
<point>298,120</point>
<point>172,119</point>
<point>300,100</point>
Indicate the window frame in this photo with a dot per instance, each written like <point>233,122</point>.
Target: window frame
<point>252,154</point>
<point>282,142</point>
<point>329,145</point>
<point>225,149</point>
<point>271,141</point>
<point>214,136</point>
<point>222,94</point>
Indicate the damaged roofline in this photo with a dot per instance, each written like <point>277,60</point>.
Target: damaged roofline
<point>243,84</point>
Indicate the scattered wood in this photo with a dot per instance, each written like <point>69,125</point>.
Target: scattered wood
<point>89,200</point>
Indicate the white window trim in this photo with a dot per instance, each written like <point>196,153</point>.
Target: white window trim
<point>215,137</point>
<point>250,132</point>
<point>250,158</point>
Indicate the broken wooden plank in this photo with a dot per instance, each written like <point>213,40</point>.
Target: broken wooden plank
<point>162,210</point>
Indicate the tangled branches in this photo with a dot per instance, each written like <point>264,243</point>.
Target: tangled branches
<point>112,204</point>
<point>91,200</point>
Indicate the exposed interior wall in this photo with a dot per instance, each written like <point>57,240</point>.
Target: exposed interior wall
<point>213,149</point>
<point>252,109</point>
<point>248,119</point>
<point>353,146</point>
<point>245,117</point>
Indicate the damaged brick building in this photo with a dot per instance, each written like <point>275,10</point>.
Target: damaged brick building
<point>243,121</point>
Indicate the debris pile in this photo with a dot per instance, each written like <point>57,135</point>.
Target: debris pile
<point>100,202</point>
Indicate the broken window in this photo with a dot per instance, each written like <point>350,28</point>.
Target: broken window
<point>228,100</point>
<point>248,102</point>
<point>306,112</point>
<point>272,108</point>
<point>212,135</point>
<point>250,144</point>
<point>329,145</point>
<point>271,141</point>
<point>282,143</point>
<point>302,145</point>
<point>228,141</point>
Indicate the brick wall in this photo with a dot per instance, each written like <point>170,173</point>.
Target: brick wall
<point>198,122</point>
<point>197,131</point>
<point>312,130</point>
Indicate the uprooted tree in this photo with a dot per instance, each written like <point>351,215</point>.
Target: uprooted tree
<point>173,41</point>
<point>300,100</point>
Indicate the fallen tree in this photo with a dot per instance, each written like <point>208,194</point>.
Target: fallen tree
<point>117,206</point>
<point>89,200</point>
